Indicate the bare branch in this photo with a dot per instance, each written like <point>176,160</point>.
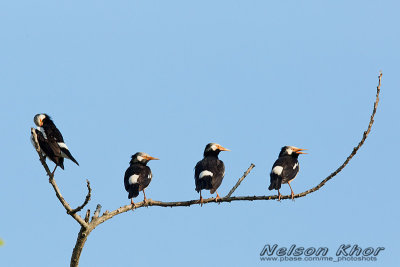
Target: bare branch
<point>67,207</point>
<point>79,208</point>
<point>80,243</point>
<point>240,180</point>
<point>151,202</point>
<point>52,181</point>
<point>87,227</point>
<point>353,153</point>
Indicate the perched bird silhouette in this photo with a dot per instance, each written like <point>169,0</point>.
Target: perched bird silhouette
<point>285,168</point>
<point>209,171</point>
<point>51,140</point>
<point>47,148</point>
<point>138,176</point>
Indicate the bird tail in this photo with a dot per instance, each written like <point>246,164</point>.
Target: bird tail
<point>66,154</point>
<point>133,191</point>
<point>74,160</point>
<point>60,162</point>
<point>275,184</point>
<point>203,183</point>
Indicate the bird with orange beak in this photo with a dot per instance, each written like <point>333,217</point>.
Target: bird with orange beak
<point>138,176</point>
<point>210,171</point>
<point>285,168</point>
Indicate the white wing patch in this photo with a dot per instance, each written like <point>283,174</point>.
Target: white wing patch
<point>277,170</point>
<point>133,179</point>
<point>205,173</point>
<point>295,165</point>
<point>62,145</point>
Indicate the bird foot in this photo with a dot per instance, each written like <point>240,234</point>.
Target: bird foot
<point>292,196</point>
<point>133,205</point>
<point>217,198</point>
<point>145,203</point>
<point>279,197</point>
<point>201,201</point>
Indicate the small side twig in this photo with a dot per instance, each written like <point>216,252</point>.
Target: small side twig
<point>96,212</point>
<point>87,216</point>
<point>79,208</point>
<point>240,180</point>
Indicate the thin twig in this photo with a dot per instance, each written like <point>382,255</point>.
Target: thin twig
<point>240,180</point>
<point>87,216</point>
<point>79,208</point>
<point>96,212</point>
<point>66,205</point>
<point>353,153</point>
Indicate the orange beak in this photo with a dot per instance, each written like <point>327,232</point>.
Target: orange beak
<point>150,158</point>
<point>222,148</point>
<point>298,150</point>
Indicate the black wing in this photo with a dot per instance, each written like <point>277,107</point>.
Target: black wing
<point>290,171</point>
<point>217,178</point>
<point>52,132</point>
<point>54,135</point>
<point>204,182</point>
<point>145,178</point>
<point>51,149</point>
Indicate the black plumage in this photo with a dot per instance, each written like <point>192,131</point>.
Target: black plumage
<point>138,176</point>
<point>209,172</point>
<point>48,148</point>
<point>285,168</point>
<point>54,138</point>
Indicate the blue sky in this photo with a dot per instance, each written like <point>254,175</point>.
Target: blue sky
<point>168,77</point>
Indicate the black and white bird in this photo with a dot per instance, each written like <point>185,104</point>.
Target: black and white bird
<point>47,148</point>
<point>52,140</point>
<point>138,175</point>
<point>209,171</point>
<point>285,168</point>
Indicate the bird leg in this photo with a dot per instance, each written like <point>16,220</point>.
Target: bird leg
<point>292,194</point>
<point>145,199</point>
<point>201,200</point>
<point>217,198</point>
<point>279,195</point>
<point>54,170</point>
<point>133,204</point>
